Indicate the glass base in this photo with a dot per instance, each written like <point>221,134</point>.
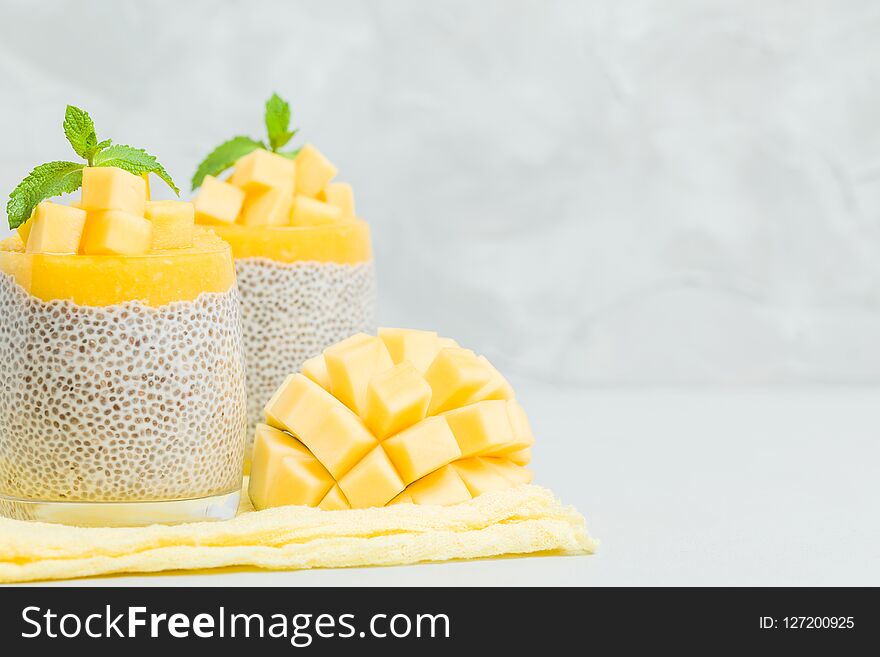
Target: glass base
<point>123,514</point>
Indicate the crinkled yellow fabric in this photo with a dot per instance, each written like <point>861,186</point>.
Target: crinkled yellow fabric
<point>521,520</point>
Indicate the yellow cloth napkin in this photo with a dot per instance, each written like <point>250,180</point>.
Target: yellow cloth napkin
<point>521,520</point>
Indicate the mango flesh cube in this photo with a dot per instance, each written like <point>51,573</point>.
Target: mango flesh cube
<point>454,376</point>
<point>515,474</point>
<point>421,449</point>
<point>446,343</point>
<point>109,188</point>
<point>24,230</point>
<point>481,428</point>
<point>418,347</point>
<point>335,500</point>
<point>440,488</point>
<point>315,368</point>
<point>340,195</point>
<point>285,472</point>
<point>262,170</point>
<point>523,437</point>
<point>396,398</point>
<point>480,477</point>
<point>311,212</point>
<point>146,178</point>
<point>313,171</point>
<point>521,457</point>
<point>218,202</point>
<point>113,232</point>
<point>55,228</point>
<point>351,364</point>
<point>496,388</point>
<point>270,207</point>
<point>372,482</point>
<point>334,434</point>
<point>173,224</point>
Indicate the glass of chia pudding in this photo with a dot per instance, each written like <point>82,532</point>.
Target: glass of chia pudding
<point>122,392</point>
<point>303,261</point>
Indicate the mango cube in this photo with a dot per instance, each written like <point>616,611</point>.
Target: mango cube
<point>496,388</point>
<point>261,170</point>
<point>113,232</point>
<point>421,449</point>
<point>454,376</point>
<point>313,171</point>
<point>334,434</point>
<point>340,195</point>
<point>55,228</point>
<point>403,498</point>
<point>218,202</point>
<point>335,500</point>
<point>440,488</point>
<point>24,230</point>
<point>284,472</point>
<point>351,364</point>
<point>418,347</point>
<point>311,212</point>
<point>521,457</point>
<point>372,482</point>
<point>396,398</point>
<point>479,476</point>
<point>173,224</point>
<point>110,188</point>
<point>270,207</point>
<point>515,474</point>
<point>481,428</point>
<point>315,368</point>
<point>146,178</point>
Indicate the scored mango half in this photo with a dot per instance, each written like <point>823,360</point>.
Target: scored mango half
<point>402,417</point>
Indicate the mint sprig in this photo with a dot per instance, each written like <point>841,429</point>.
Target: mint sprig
<point>54,178</point>
<point>277,119</point>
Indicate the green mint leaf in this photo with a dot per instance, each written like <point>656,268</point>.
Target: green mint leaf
<point>278,122</point>
<point>80,131</point>
<point>100,146</point>
<point>45,181</point>
<point>290,155</point>
<point>223,157</point>
<point>133,160</point>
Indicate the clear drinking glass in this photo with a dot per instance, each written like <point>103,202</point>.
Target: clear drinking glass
<point>122,392</point>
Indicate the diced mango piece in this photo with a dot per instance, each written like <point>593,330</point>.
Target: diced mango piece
<point>403,498</point>
<point>496,388</point>
<point>173,224</point>
<point>340,195</point>
<point>396,398</point>
<point>523,437</point>
<point>24,230</point>
<point>113,232</point>
<point>372,482</point>
<point>270,207</point>
<point>351,364</point>
<point>335,500</point>
<point>313,171</point>
<point>262,170</point>
<point>110,188</point>
<point>311,212</point>
<point>479,476</point>
<point>515,474</point>
<point>482,428</point>
<point>418,347</point>
<point>284,472</point>
<point>422,448</point>
<point>55,228</point>
<point>146,178</point>
<point>334,434</point>
<point>446,343</point>
<point>521,457</point>
<point>440,488</point>
<point>454,376</point>
<point>316,369</point>
<point>218,202</point>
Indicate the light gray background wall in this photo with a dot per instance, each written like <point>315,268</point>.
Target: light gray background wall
<point>601,192</point>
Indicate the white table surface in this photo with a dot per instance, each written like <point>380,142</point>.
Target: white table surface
<point>682,487</point>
